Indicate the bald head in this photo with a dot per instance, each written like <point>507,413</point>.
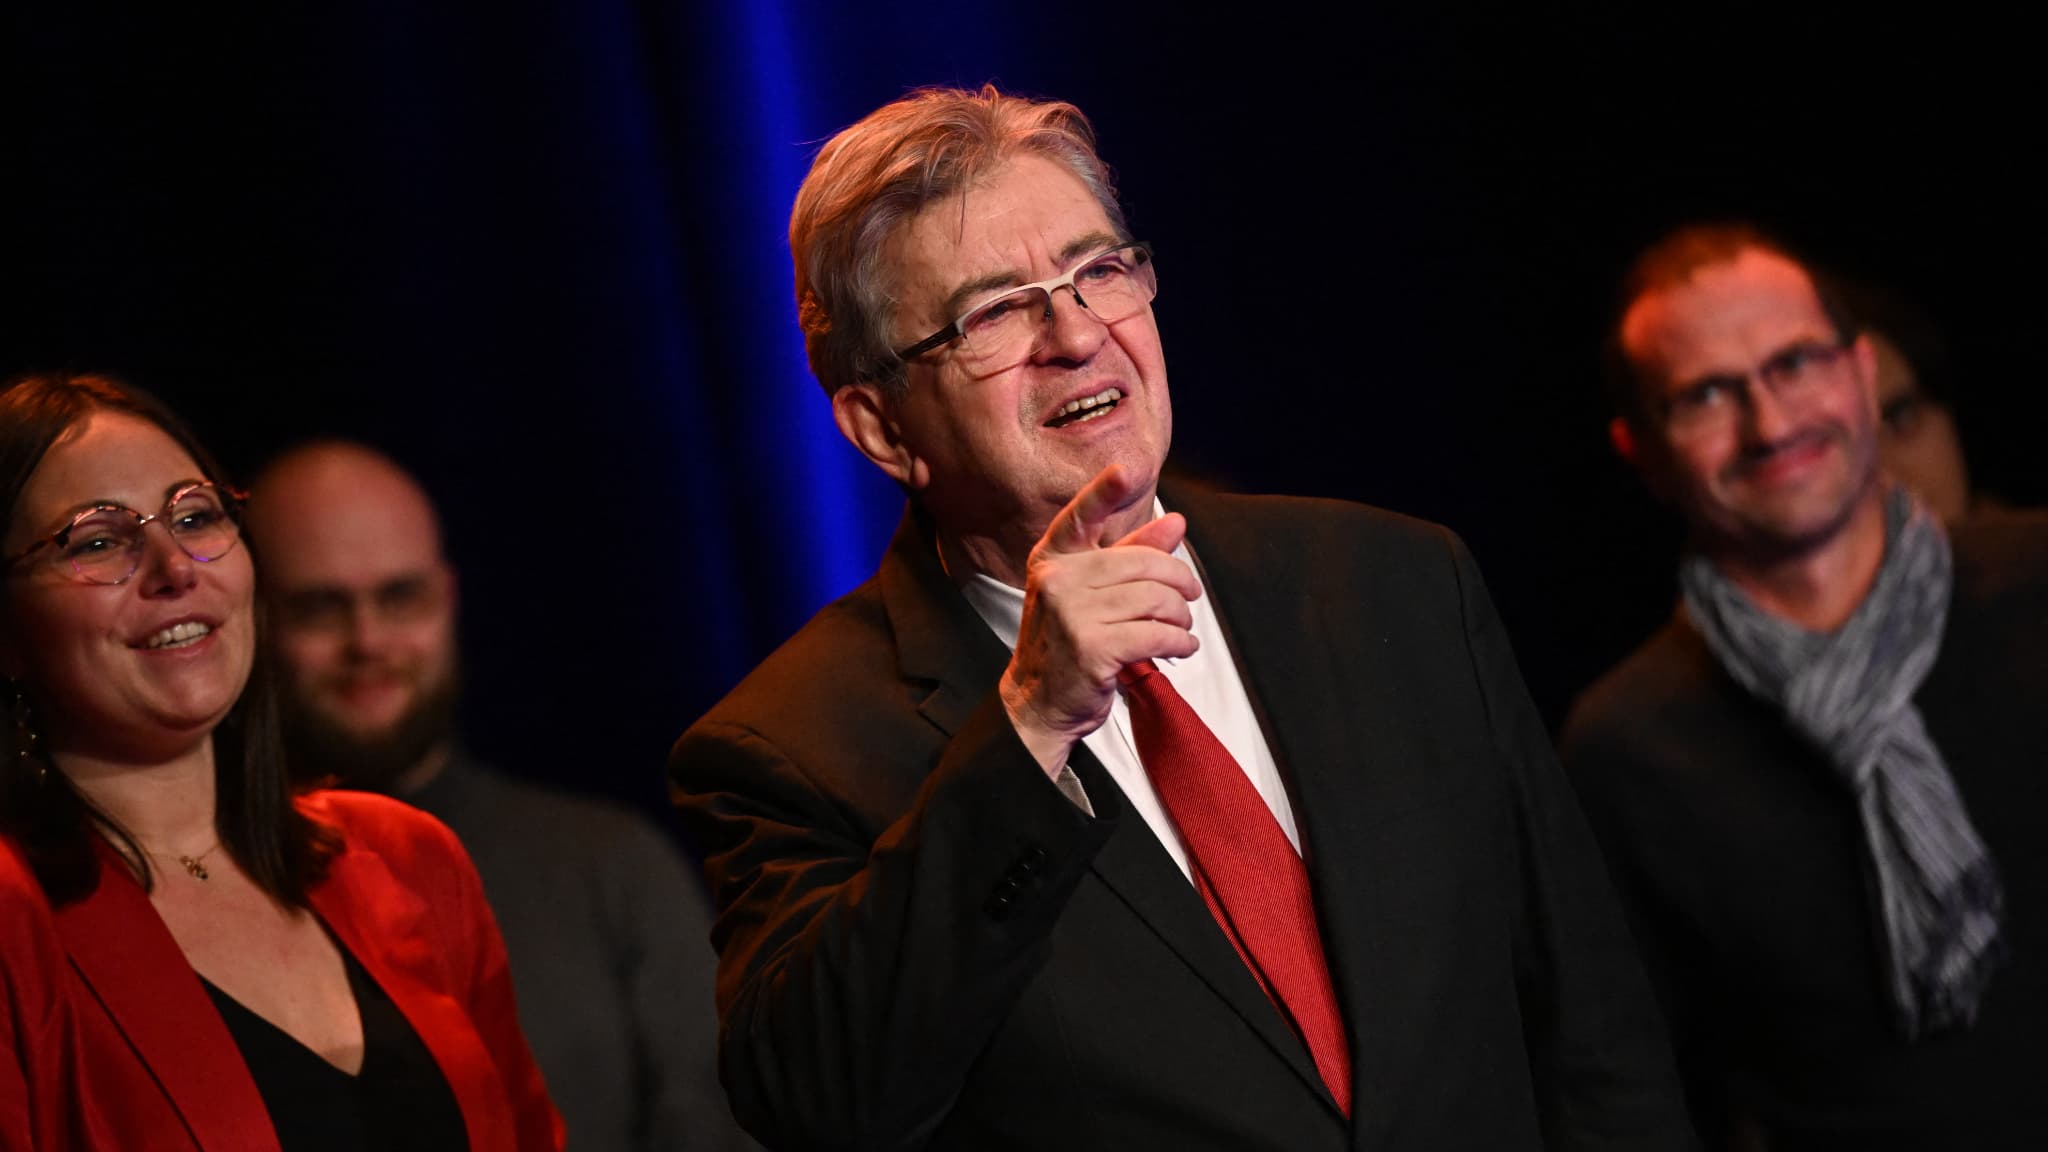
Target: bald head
<point>335,506</point>
<point>362,613</point>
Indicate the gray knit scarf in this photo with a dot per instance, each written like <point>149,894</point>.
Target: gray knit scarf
<point>1850,694</point>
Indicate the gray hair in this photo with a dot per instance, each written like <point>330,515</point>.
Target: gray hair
<point>875,176</point>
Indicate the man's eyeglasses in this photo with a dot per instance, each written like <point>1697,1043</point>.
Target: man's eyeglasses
<point>333,609</point>
<point>104,544</point>
<point>994,335</point>
<point>1789,375</point>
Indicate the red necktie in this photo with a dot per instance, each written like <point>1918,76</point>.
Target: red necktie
<point>1248,874</point>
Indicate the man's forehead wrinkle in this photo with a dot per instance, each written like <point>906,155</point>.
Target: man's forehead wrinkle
<point>1091,241</point>
<point>964,246</point>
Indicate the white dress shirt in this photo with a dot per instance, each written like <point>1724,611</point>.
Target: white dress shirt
<point>1207,680</point>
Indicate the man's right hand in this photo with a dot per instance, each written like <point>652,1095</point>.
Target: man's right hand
<point>1091,608</point>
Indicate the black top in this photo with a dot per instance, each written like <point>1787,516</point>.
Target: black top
<point>606,929</point>
<point>398,1102</point>
<point>1743,859</point>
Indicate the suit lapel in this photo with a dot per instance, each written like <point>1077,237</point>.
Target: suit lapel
<point>1135,866</point>
<point>1335,732</point>
<point>940,640</point>
<point>930,619</point>
<point>123,952</point>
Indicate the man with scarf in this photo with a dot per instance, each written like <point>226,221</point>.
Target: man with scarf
<point>1819,785</point>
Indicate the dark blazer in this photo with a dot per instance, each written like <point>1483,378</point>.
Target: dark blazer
<point>1742,860</point>
<point>924,944</point>
<point>608,931</point>
<point>109,1041</point>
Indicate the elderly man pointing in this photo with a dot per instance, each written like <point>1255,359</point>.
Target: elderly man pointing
<point>1111,814</point>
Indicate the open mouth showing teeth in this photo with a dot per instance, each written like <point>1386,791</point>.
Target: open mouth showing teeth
<point>178,635</point>
<point>1086,408</point>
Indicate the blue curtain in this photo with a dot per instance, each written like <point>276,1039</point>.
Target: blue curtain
<point>538,252</point>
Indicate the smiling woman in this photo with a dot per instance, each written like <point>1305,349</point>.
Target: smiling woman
<point>191,957</point>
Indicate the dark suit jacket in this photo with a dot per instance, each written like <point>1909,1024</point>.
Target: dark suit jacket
<point>608,930</point>
<point>1742,858</point>
<point>924,944</point>
<point>109,1041</point>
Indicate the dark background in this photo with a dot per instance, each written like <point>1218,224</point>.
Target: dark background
<point>537,253</point>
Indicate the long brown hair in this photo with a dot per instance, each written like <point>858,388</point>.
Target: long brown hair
<point>282,850</point>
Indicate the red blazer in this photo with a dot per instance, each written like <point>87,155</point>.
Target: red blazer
<point>109,1041</point>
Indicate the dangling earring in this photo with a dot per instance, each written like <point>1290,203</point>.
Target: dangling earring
<point>25,735</point>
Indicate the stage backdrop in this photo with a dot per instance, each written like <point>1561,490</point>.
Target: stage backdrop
<point>537,252</point>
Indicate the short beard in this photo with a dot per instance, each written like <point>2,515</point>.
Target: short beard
<point>321,752</point>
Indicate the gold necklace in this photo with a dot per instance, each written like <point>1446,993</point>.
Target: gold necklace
<point>195,866</point>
